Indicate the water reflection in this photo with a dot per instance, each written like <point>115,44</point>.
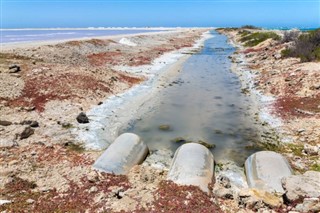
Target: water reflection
<point>204,103</point>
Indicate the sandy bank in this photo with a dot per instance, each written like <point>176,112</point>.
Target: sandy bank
<point>286,96</point>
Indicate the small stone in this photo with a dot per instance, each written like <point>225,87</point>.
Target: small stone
<point>14,68</point>
<point>206,144</point>
<point>30,123</point>
<point>311,150</point>
<point>309,205</point>
<point>255,199</point>
<point>179,140</point>
<point>82,118</point>
<point>30,201</point>
<point>5,123</point>
<point>93,189</point>
<point>34,124</point>
<point>224,193</point>
<point>4,202</point>
<point>31,108</point>
<point>27,132</point>
<point>164,127</point>
<point>224,181</point>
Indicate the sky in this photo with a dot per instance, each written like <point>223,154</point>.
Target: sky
<point>159,13</point>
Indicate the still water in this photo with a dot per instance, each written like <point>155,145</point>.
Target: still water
<point>204,102</point>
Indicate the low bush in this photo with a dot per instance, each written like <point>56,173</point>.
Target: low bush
<point>253,39</point>
<point>306,47</point>
<point>290,35</point>
<point>251,27</point>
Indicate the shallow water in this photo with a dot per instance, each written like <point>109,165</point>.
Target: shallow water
<point>10,36</point>
<point>205,103</point>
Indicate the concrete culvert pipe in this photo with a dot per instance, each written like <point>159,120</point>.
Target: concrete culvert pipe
<point>265,169</point>
<point>193,164</point>
<point>125,152</point>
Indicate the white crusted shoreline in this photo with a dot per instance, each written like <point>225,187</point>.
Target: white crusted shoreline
<point>261,102</point>
<point>119,111</point>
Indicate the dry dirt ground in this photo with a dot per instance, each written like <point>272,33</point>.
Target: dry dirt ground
<point>295,89</point>
<point>42,166</point>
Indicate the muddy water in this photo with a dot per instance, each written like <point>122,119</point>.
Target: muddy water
<point>204,102</point>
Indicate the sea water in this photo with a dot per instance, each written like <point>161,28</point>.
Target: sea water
<point>15,36</point>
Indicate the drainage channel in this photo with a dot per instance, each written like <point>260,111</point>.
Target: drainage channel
<point>203,103</point>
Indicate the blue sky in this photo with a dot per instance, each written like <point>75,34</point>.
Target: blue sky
<point>172,13</point>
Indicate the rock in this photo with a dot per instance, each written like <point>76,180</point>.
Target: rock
<point>265,170</point>
<point>277,56</point>
<point>309,205</point>
<point>159,159</point>
<point>30,123</point>
<point>233,173</point>
<point>27,132</point>
<point>164,127</point>
<point>4,202</point>
<point>93,189</point>
<point>256,199</point>
<point>14,68</point>
<point>82,118</point>
<point>206,144</point>
<point>298,186</point>
<point>125,152</point>
<point>224,193</point>
<point>192,165</point>
<point>30,201</point>
<point>180,140</point>
<point>5,123</point>
<point>230,179</point>
<point>311,150</point>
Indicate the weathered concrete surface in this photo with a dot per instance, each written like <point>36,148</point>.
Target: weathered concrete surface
<point>298,186</point>
<point>193,164</point>
<point>265,169</point>
<point>125,152</point>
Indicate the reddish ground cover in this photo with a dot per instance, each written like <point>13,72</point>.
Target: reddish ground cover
<point>41,89</point>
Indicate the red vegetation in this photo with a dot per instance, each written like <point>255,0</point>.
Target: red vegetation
<point>141,59</point>
<point>174,198</point>
<point>41,89</point>
<point>57,154</point>
<point>129,79</point>
<point>288,106</point>
<point>78,197</point>
<point>100,59</point>
<point>50,155</point>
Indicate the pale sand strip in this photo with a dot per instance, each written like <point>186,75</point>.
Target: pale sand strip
<point>10,46</point>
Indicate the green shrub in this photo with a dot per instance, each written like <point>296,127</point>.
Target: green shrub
<point>306,47</point>
<point>251,27</point>
<point>244,33</point>
<point>258,37</point>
